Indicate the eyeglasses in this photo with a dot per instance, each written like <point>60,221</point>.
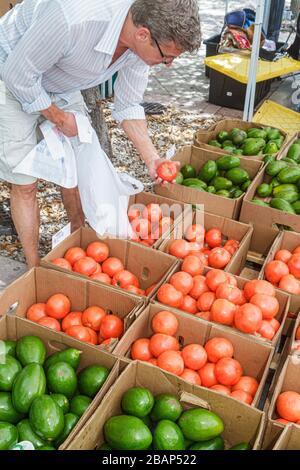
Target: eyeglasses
<point>166,59</point>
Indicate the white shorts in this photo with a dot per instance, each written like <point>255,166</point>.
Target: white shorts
<point>19,131</point>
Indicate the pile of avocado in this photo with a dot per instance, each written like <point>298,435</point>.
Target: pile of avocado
<point>282,191</point>
<point>222,177</point>
<point>41,400</point>
<point>161,423</point>
<point>252,142</point>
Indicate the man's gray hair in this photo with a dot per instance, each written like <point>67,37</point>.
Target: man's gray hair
<point>170,20</point>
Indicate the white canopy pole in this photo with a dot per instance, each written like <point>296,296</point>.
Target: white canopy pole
<point>226,6</point>
<point>251,86</point>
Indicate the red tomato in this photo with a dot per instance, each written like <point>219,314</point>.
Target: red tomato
<point>258,286</point>
<point>207,375</point>
<point>36,312</point>
<point>111,327</point>
<point>283,255</point>
<point>179,248</point>
<point>168,295</point>
<point>195,233</point>
<point>228,371</point>
<point>161,342</point>
<point>231,280</point>
<point>223,311</point>
<point>92,317</point>
<point>58,306</point>
<point>102,277</point>
<point>165,224</point>
<point>275,270</point>
<point>191,376</point>
<point>192,265</point>
<point>165,322</point>
<point>214,278</point>
<point>140,350</point>
<point>62,263</point>
<point>247,384</point>
<point>189,305</point>
<point>222,389</point>
<point>182,281</point>
<point>99,251</point>
<point>242,396</point>
<point>124,279</point>
<point>195,247</point>
<point>74,254</point>
<point>141,227</point>
<point>98,269</point>
<point>218,258</point>
<point>112,266</point>
<point>268,305</point>
<point>248,318</point>
<point>294,265</point>
<point>50,323</point>
<point>79,332</point>
<point>213,237</point>
<point>72,319</point>
<point>86,266</point>
<point>296,250</point>
<point>93,336</point>
<point>171,361</point>
<point>153,213</point>
<point>202,257</point>
<point>153,361</point>
<point>204,315</point>
<point>167,171</point>
<point>288,406</point>
<point>266,330</point>
<point>231,246</point>
<point>135,290</point>
<point>231,293</point>
<point>134,212</point>
<point>194,356</point>
<point>217,348</point>
<point>205,301</point>
<point>275,324</point>
<point>298,333</point>
<point>290,284</point>
<point>199,287</point>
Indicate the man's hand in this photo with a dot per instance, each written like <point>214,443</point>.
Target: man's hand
<point>152,168</point>
<point>64,121</point>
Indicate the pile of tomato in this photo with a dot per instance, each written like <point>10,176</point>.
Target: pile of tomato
<point>211,366</point>
<point>288,407</point>
<point>208,246</point>
<point>216,297</point>
<point>93,325</point>
<point>148,224</point>
<point>284,270</point>
<point>96,263</point>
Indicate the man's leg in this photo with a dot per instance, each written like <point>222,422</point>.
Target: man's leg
<point>72,203</point>
<point>25,214</point>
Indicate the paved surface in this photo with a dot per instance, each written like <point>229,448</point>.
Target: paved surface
<point>10,270</point>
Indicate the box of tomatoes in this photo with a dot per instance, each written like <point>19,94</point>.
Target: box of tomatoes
<point>75,307</point>
<point>234,422</point>
<point>120,264</point>
<point>220,242</point>
<point>200,353</point>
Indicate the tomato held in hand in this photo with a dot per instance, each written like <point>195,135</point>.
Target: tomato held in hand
<point>167,171</point>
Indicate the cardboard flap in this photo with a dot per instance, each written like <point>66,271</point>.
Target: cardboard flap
<point>192,400</point>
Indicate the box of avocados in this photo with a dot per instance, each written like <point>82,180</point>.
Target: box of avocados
<point>273,199</point>
<point>38,284</point>
<point>150,266</point>
<point>217,183</point>
<point>289,439</point>
<point>291,151</point>
<point>27,412</point>
<point>231,230</point>
<point>254,358</point>
<point>234,422</point>
<point>285,240</point>
<point>248,139</point>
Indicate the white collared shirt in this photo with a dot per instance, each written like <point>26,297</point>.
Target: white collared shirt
<point>62,46</point>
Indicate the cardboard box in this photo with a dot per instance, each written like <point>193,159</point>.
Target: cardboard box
<point>212,203</point>
<point>6,5</point>
<point>39,284</point>
<point>289,241</point>
<point>294,343</point>
<point>289,439</point>
<point>259,215</point>
<point>262,240</point>
<point>254,358</point>
<point>272,433</point>
<point>284,151</point>
<point>284,303</point>
<point>169,207</point>
<point>202,138</point>
<point>12,327</point>
<point>150,266</point>
<point>230,229</point>
<point>243,423</point>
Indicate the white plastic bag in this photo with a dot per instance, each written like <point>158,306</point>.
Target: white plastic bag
<point>104,193</point>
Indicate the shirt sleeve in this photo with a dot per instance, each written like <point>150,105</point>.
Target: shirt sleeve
<point>43,44</point>
<point>129,90</point>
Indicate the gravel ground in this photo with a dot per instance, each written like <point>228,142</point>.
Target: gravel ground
<point>174,127</point>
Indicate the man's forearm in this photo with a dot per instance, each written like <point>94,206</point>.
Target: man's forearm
<point>137,131</point>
